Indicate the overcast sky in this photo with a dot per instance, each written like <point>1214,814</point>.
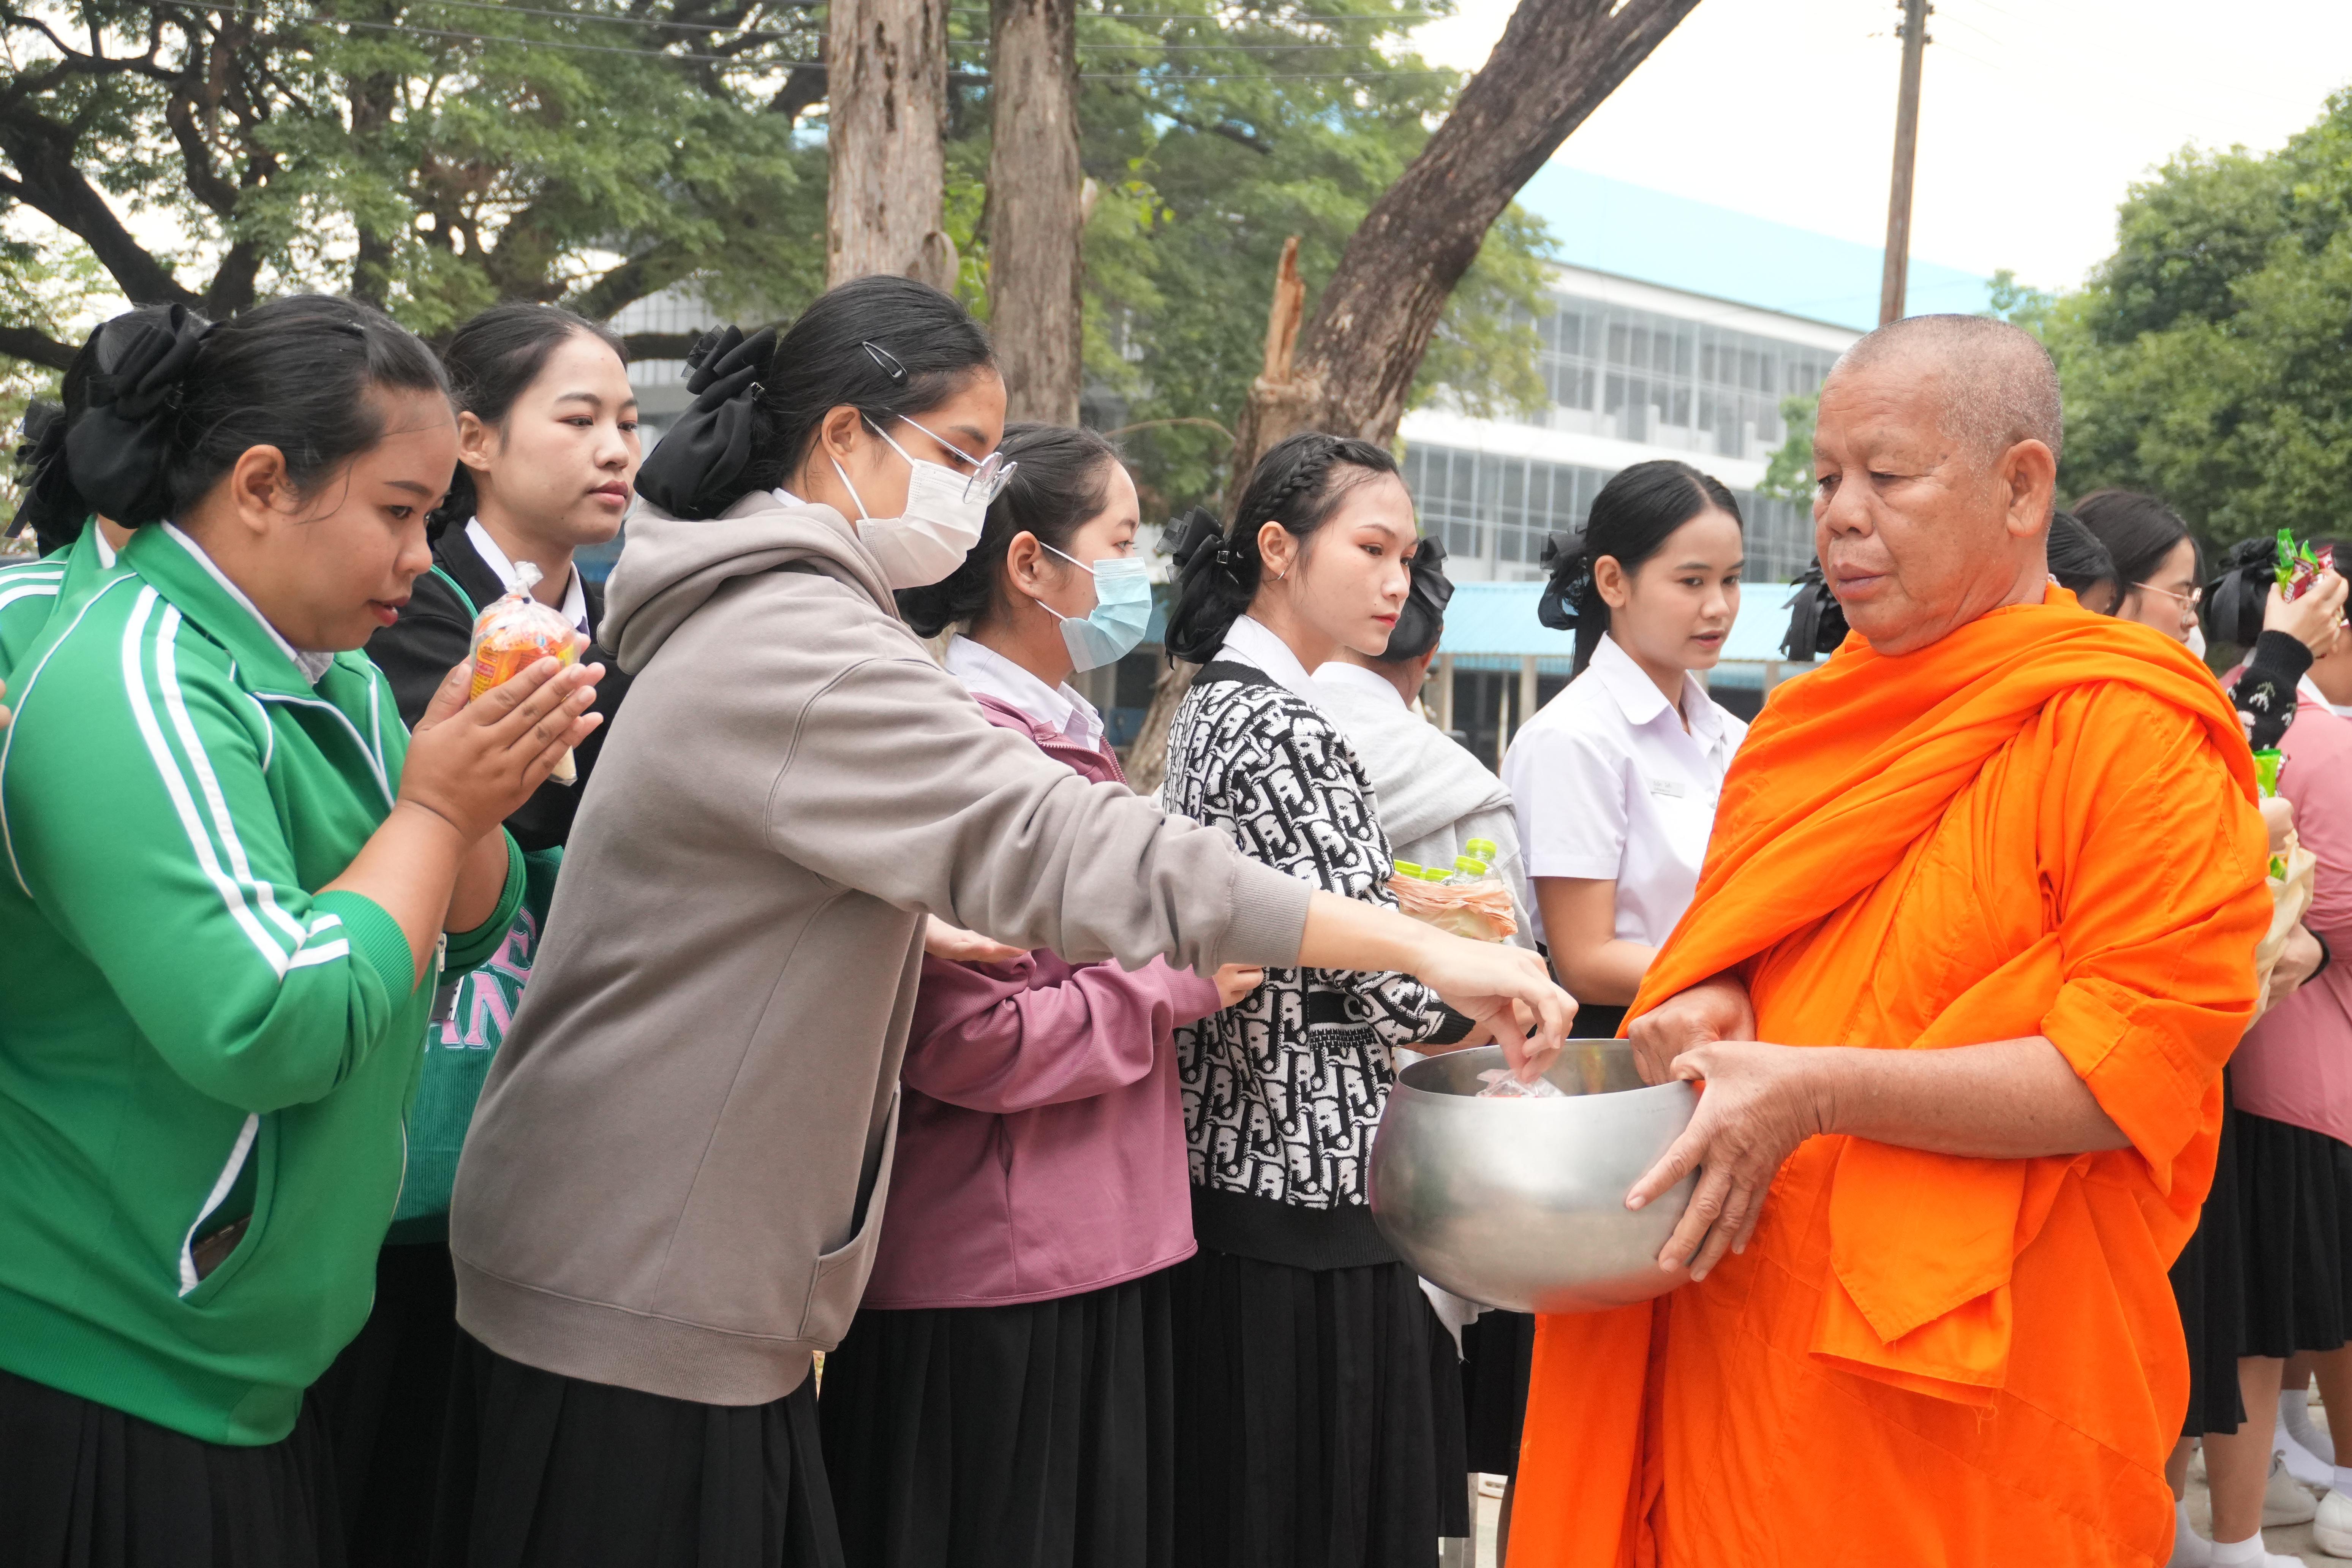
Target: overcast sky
<point>2036,116</point>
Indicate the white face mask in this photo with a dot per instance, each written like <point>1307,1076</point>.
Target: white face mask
<point>2196,639</point>
<point>945,512</point>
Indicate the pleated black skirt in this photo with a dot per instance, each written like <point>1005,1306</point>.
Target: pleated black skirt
<point>385,1402</point>
<point>83,1485</point>
<point>2294,1191</point>
<point>1037,1435</point>
<point>1498,1356</point>
<point>2207,1286</point>
<point>544,1471</point>
<point>1318,1418</point>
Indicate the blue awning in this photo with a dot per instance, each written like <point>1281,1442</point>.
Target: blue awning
<point>1493,626</point>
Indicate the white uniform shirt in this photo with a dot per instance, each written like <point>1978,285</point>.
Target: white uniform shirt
<point>1609,785</point>
<point>984,670</point>
<point>1250,642</point>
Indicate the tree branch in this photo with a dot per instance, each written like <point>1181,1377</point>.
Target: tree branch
<point>802,91</point>
<point>32,345</point>
<point>630,281</point>
<point>50,182</point>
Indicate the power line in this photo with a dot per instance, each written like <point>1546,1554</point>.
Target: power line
<point>567,16</point>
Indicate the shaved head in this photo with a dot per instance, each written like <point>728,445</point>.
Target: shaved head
<point>1993,384</point>
<point>1935,459</point>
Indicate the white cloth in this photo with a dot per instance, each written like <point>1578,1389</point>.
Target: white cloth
<point>1432,796</point>
<point>575,597</point>
<point>1250,643</point>
<point>984,670</point>
<point>1610,786</point>
<point>313,666</point>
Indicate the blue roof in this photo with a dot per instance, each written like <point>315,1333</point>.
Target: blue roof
<point>1493,626</point>
<point>1633,232</point>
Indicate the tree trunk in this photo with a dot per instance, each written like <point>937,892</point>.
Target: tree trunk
<point>1558,60</point>
<point>887,76</point>
<point>1036,209</point>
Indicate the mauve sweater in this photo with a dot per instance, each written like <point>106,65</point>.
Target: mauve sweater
<point>1041,1134</point>
<point>2296,1064</point>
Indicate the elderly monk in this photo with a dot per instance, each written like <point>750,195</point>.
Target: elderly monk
<point>1991,881</point>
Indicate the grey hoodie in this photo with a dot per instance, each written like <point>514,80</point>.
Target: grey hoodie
<point>676,1172</point>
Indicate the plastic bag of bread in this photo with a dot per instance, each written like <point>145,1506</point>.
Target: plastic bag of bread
<point>516,632</point>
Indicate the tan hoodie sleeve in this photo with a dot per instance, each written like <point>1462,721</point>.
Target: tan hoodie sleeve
<point>895,784</point>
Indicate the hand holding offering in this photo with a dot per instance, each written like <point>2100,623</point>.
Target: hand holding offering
<point>515,633</point>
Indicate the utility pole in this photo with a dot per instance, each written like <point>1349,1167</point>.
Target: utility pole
<point>1914,34</point>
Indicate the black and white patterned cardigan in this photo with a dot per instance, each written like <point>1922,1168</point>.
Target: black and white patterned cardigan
<point>1283,1090</point>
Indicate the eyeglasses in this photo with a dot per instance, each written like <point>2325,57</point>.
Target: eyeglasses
<point>989,474</point>
<point>2191,599</point>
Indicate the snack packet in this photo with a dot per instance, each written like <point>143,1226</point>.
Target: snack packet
<point>2299,566</point>
<point>1501,1084</point>
<point>1480,911</point>
<point>515,633</point>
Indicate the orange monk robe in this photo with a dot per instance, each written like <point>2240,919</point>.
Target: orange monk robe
<point>2042,824</point>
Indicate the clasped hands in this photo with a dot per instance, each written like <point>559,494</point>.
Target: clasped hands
<point>1761,1102</point>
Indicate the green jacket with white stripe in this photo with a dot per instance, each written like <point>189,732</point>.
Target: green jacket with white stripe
<point>31,586</point>
<point>191,1033</point>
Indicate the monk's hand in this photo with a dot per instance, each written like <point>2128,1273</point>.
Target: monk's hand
<point>1716,1009</point>
<point>1759,1101</point>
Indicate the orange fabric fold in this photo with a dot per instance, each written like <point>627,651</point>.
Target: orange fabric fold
<point>2042,824</point>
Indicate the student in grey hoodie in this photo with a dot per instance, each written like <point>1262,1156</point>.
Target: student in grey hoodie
<point>669,1199</point>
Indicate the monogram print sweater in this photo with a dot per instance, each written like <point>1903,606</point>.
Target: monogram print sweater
<point>1283,1090</point>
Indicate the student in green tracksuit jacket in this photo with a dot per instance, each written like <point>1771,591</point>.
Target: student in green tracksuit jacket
<point>229,882</point>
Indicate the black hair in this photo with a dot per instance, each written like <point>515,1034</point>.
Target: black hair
<point>2077,560</point>
<point>492,360</point>
<point>885,346</point>
<point>2138,531</point>
<point>1422,620</point>
<point>51,508</point>
<point>172,401</point>
<point>1816,620</point>
<point>1061,478</point>
<point>1298,484</point>
<point>1632,517</point>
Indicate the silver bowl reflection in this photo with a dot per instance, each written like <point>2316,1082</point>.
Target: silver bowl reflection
<point>1520,1204</point>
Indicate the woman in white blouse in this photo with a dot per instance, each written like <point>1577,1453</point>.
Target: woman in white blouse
<point>1615,779</point>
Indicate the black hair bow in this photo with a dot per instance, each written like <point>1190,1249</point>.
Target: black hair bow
<point>696,471</point>
<point>1190,534</point>
<point>37,460</point>
<point>119,449</point>
<point>1567,586</point>
<point>1816,620</point>
<point>1422,620</point>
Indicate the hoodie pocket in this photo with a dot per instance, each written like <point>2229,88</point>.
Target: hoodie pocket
<point>202,1277</point>
<point>839,1282</point>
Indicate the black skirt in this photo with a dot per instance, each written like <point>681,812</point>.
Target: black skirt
<point>1318,1418</point>
<point>2208,1287</point>
<point>544,1471</point>
<point>1037,1435</point>
<point>385,1402</point>
<point>1498,1357</point>
<point>83,1485</point>
<point>2294,1195</point>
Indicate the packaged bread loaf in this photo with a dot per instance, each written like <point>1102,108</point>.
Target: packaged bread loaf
<point>515,633</point>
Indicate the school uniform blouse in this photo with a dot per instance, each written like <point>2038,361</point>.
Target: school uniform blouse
<point>1610,786</point>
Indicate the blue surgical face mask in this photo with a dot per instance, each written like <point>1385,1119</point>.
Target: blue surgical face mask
<point>1109,632</point>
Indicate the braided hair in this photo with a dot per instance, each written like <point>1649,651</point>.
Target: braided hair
<point>1632,518</point>
<point>1298,484</point>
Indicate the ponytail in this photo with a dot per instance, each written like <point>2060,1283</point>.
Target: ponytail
<point>1632,518</point>
<point>168,402</point>
<point>1298,484</point>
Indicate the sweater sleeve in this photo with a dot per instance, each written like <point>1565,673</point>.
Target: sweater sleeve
<point>893,783</point>
<point>993,1037</point>
<point>2264,691</point>
<point>137,815</point>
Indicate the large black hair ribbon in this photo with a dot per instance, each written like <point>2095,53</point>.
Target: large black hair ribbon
<point>1197,531</point>
<point>1567,583</point>
<point>119,449</point>
<point>696,471</point>
<point>1816,620</point>
<point>36,461</point>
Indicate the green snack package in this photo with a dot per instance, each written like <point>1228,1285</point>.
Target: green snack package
<point>2266,770</point>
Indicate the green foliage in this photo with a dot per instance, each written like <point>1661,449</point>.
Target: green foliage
<point>2018,304</point>
<point>2206,362</point>
<point>1789,476</point>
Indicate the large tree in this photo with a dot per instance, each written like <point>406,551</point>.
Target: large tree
<point>434,156</point>
<point>2207,361</point>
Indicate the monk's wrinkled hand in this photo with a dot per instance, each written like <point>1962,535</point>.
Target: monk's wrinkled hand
<point>1716,1009</point>
<point>1758,1103</point>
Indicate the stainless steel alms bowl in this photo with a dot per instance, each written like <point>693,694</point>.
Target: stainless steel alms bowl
<point>1521,1203</point>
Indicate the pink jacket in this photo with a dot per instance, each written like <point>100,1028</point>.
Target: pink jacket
<point>1041,1143</point>
<point>2295,1065</point>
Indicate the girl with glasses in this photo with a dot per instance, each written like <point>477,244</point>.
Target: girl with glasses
<point>671,1195</point>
